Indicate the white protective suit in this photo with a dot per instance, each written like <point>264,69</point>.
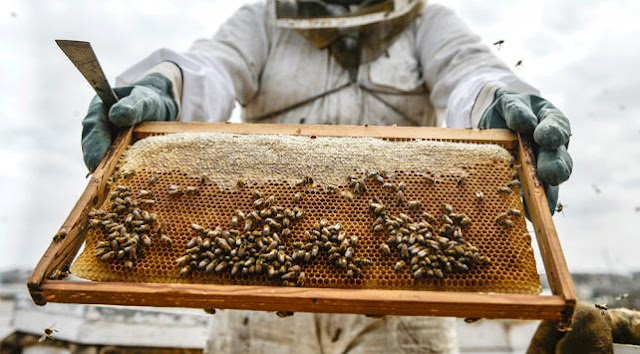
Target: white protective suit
<point>436,63</point>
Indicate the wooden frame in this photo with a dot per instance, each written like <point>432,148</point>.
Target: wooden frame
<point>559,306</point>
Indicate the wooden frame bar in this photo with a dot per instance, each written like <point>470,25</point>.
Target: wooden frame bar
<point>559,306</point>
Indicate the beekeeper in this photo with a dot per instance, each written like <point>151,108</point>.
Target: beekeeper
<point>376,62</point>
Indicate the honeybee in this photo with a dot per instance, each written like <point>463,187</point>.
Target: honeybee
<point>514,183</point>
<point>283,314</point>
<point>398,266</point>
<point>191,190</point>
<point>504,223</point>
<point>602,308</point>
<point>185,271</point>
<point>414,204</point>
<point>389,186</point>
<point>504,190</point>
<point>514,212</point>
<point>47,333</point>
<point>60,235</point>
<point>400,197</point>
<point>480,196</point>
<point>297,198</point>
<point>447,208</point>
<point>166,239</point>
<point>430,180</point>
<point>204,179</point>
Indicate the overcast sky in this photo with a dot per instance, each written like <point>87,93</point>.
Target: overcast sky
<point>582,55</point>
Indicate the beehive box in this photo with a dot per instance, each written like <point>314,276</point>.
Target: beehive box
<point>228,163</point>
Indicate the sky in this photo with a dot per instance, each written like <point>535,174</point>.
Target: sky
<point>582,56</point>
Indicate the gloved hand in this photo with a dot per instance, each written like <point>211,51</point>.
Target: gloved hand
<point>593,331</point>
<point>150,99</point>
<point>534,116</point>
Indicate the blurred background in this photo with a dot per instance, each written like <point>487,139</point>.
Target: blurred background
<point>582,55</point>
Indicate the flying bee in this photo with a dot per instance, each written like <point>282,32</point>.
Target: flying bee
<point>499,44</point>
<point>622,296</point>
<point>602,308</point>
<point>47,333</point>
<point>283,314</point>
<point>560,208</point>
<point>519,63</point>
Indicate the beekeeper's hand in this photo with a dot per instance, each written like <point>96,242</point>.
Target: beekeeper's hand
<point>534,116</point>
<point>149,99</point>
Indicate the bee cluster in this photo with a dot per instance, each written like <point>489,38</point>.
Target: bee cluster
<point>256,248</point>
<point>126,226</point>
<point>429,254</point>
<point>334,241</point>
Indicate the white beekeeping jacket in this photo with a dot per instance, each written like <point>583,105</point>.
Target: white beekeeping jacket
<point>436,64</point>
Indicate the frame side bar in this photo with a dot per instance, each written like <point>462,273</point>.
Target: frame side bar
<point>62,251</point>
<point>550,248</point>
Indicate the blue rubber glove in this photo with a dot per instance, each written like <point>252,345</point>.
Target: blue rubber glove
<point>150,99</point>
<point>534,116</point>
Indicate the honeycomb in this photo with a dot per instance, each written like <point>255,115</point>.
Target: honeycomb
<point>459,171</point>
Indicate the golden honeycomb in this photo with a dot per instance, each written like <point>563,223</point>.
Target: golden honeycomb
<point>460,171</point>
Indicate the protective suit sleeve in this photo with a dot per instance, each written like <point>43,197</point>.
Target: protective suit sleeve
<point>459,69</point>
<point>218,70</point>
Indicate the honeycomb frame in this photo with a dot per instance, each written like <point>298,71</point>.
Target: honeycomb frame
<point>368,281</point>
